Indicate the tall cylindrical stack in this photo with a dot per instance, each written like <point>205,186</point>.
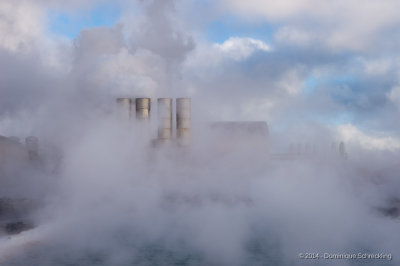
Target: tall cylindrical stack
<point>183,119</point>
<point>164,106</point>
<point>124,107</point>
<point>143,108</point>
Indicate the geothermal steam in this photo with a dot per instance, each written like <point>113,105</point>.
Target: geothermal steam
<point>114,199</point>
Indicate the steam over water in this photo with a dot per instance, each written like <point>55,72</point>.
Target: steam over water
<point>119,201</point>
<point>106,193</point>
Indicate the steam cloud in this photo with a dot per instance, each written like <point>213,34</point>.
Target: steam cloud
<point>110,198</point>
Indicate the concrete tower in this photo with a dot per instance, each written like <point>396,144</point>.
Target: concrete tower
<point>143,108</point>
<point>124,107</point>
<point>164,107</point>
<point>183,119</point>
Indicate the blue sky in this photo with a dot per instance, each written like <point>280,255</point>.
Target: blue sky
<point>228,26</point>
<point>70,24</point>
<point>218,30</point>
<point>345,86</point>
<point>311,84</point>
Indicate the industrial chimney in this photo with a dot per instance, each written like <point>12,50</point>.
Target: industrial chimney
<point>164,107</point>
<point>124,107</point>
<point>183,119</point>
<point>143,108</point>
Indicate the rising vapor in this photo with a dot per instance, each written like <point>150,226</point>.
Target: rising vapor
<point>151,146</point>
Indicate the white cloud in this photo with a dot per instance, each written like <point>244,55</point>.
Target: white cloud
<point>350,133</point>
<point>210,58</point>
<point>23,31</point>
<point>21,25</point>
<point>125,73</point>
<point>341,24</point>
<point>379,66</point>
<point>291,82</point>
<point>106,165</point>
<point>394,95</point>
<point>241,48</point>
<point>294,35</point>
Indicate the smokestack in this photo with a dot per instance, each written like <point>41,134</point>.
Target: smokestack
<point>164,107</point>
<point>143,108</point>
<point>124,107</point>
<point>183,119</point>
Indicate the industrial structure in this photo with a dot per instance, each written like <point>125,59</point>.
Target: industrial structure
<point>227,137</point>
<point>165,116</point>
<point>143,106</point>
<point>165,124</point>
<point>14,159</point>
<point>183,119</point>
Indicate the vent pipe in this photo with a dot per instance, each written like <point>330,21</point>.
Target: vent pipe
<point>124,107</point>
<point>143,108</point>
<point>183,119</point>
<point>164,107</point>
